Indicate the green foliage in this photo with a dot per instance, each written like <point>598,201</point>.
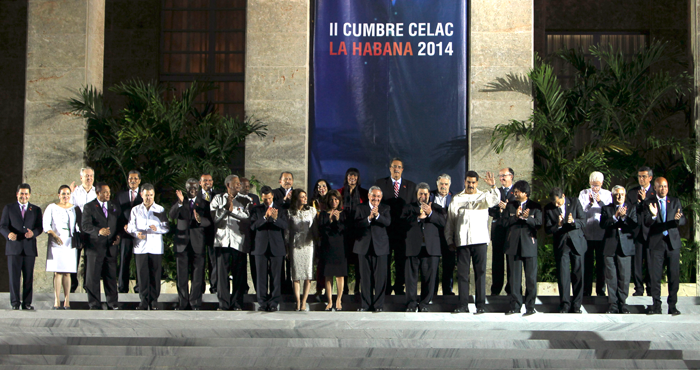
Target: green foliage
<point>546,263</point>
<point>688,262</point>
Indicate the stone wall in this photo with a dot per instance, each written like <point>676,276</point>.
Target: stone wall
<point>694,32</point>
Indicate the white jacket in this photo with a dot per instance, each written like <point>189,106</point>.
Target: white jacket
<point>468,217</point>
<point>232,227</point>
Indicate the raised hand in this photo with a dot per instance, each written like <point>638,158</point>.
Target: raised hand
<point>274,213</point>
<point>268,213</point>
<point>489,179</point>
<point>641,194</point>
<point>288,196</point>
<point>622,211</point>
<point>180,196</point>
<point>72,186</point>
<point>679,214</point>
<point>520,211</point>
<point>427,208</point>
<point>653,209</point>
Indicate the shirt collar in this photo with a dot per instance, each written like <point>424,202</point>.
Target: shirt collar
<point>22,205</point>
<point>102,204</point>
<point>395,181</point>
<point>661,200</point>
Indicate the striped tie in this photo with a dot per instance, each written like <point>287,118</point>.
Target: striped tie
<point>396,189</point>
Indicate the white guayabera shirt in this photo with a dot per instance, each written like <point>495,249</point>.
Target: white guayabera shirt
<point>141,221</point>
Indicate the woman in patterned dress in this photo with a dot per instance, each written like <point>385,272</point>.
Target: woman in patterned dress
<point>300,244</point>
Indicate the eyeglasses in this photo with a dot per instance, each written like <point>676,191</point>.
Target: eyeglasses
<point>397,167</point>
<point>504,176</point>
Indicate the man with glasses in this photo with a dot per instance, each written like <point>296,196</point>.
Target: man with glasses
<point>498,233</point>
<point>80,196</point>
<point>636,198</point>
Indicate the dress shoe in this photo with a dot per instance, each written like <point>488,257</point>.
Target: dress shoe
<point>513,312</point>
<point>461,310</point>
<point>638,294</point>
<point>654,310</point>
<point>479,311</point>
<point>612,310</point>
<point>673,311</point>
<point>115,308</point>
<point>448,293</point>
<point>378,310</point>
<point>575,310</point>
<point>212,290</point>
<point>273,309</point>
<point>15,307</point>
<point>96,308</point>
<point>414,309</point>
<point>28,307</point>
<point>142,308</point>
<point>261,308</point>
<point>625,310</point>
<point>530,312</point>
<point>237,309</point>
<point>424,309</point>
<point>55,308</point>
<point>176,309</point>
<point>66,307</point>
<point>153,308</point>
<point>136,288</point>
<point>361,310</point>
<point>564,309</point>
<point>195,308</point>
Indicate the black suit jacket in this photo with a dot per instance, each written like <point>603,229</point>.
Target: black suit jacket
<point>429,229</point>
<point>443,240</point>
<point>278,198</point>
<point>498,233</point>
<point>255,198</point>
<point>620,231</point>
<point>573,232</point>
<point>188,230</point>
<point>641,231</point>
<point>94,220</point>
<point>521,237</point>
<point>374,232</point>
<point>125,205</point>
<point>268,232</point>
<point>12,222</point>
<point>407,194</point>
<point>657,227</point>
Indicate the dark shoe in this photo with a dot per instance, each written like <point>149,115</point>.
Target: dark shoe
<point>479,311</point>
<point>625,310</point>
<point>638,294</point>
<point>55,308</point>
<point>530,312</point>
<point>673,311</point>
<point>414,309</point>
<point>15,307</point>
<point>464,309</point>
<point>378,310</point>
<point>96,308</point>
<point>273,309</point>
<point>576,310</point>
<point>448,293</point>
<point>612,310</point>
<point>116,308</point>
<point>142,308</point>
<point>361,310</point>
<point>212,290</point>
<point>424,309</point>
<point>136,288</point>
<point>66,307</point>
<point>196,308</point>
<point>261,308</point>
<point>513,312</point>
<point>654,310</point>
<point>28,307</point>
<point>237,309</point>
<point>154,308</point>
<point>564,309</point>
<point>122,291</point>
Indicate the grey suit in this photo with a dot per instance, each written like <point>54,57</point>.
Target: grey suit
<point>618,248</point>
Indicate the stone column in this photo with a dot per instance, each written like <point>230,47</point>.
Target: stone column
<point>500,44</point>
<point>277,88</point>
<point>695,57</point>
<point>65,51</point>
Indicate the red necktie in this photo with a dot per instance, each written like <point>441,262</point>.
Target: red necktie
<point>132,197</point>
<point>396,189</point>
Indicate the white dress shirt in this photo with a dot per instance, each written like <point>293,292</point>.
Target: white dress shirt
<point>80,196</point>
<point>141,220</point>
<point>593,231</point>
<point>440,200</point>
<point>468,217</point>
<point>232,227</point>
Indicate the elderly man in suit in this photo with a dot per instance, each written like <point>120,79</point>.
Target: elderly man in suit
<point>522,218</point>
<point>20,225</point>
<point>443,197</point>
<point>207,193</point>
<point>100,218</point>
<point>80,196</point>
<point>426,221</point>
<point>372,248</point>
<point>467,233</point>
<point>498,234</point>
<point>127,200</point>
<point>268,221</point>
<point>592,201</point>
<point>397,192</point>
<point>663,217</point>
<point>190,251</point>
<point>565,220</point>
<point>619,220</point>
<point>636,197</point>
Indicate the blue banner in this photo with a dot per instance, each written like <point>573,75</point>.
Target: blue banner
<point>390,80</point>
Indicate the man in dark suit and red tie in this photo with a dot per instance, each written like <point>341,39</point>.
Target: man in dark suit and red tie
<point>372,249</point>
<point>443,197</point>
<point>619,220</point>
<point>663,216</point>
<point>397,192</point>
<point>100,218</point>
<point>498,233</point>
<point>565,220</point>
<point>522,218</point>
<point>636,197</point>
<point>127,200</point>
<point>245,189</point>
<point>20,224</point>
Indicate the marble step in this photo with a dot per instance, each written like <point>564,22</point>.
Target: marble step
<point>267,362</point>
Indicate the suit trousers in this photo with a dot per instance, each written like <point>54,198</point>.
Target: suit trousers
<point>657,260</point>
<point>449,262</point>
<point>268,265</point>
<point>516,279</point>
<point>190,296</point>
<point>126,252</point>
<point>232,262</point>
<point>425,266</point>
<point>373,282</point>
<point>74,280</point>
<point>100,265</point>
<point>286,270</point>
<point>617,277</point>
<point>466,255</point>
<point>639,260</point>
<point>213,275</point>
<point>398,247</point>
<point>594,262</point>
<point>497,268</point>
<point>149,269</point>
<point>21,266</point>
<point>569,273</point>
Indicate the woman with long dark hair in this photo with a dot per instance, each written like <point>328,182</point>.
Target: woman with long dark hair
<point>318,201</point>
<point>353,195</point>
<point>331,225</point>
<point>300,244</point>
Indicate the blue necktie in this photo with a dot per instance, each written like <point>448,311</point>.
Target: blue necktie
<point>662,209</point>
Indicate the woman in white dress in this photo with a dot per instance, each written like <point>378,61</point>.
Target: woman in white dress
<point>61,223</point>
<point>300,244</point>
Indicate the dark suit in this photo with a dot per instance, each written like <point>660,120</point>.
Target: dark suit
<point>498,240</point>
<point>278,199</point>
<point>127,241</point>
<point>350,202</point>
<point>253,270</point>
<point>269,251</point>
<point>190,249</point>
<point>101,252</point>
<point>641,253</point>
<point>618,249</point>
<point>21,253</point>
<point>397,230</point>
<point>209,235</point>
<point>422,252</point>
<point>449,258</point>
<point>521,248</point>
<point>664,249</point>
<point>372,248</point>
<point>569,249</point>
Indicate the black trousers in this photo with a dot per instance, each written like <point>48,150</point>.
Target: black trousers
<point>231,262</point>
<point>188,260</point>
<point>211,262</point>
<point>617,277</point>
<point>374,283</point>
<point>268,265</point>
<point>74,282</point>
<point>476,254</point>
<point>286,269</point>
<point>449,262</point>
<point>497,268</point>
<point>426,266</point>
<point>516,279</point>
<point>398,247</point>
<point>639,260</point>
<point>21,267</point>
<point>126,252</point>
<point>101,265</point>
<point>569,273</point>
<point>149,269</point>
<point>594,261</point>
<point>657,259</point>
<point>253,271</point>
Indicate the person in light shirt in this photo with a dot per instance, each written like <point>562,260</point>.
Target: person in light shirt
<point>81,195</point>
<point>147,225</point>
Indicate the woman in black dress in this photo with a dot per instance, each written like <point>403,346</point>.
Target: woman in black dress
<point>331,224</point>
<point>353,195</point>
